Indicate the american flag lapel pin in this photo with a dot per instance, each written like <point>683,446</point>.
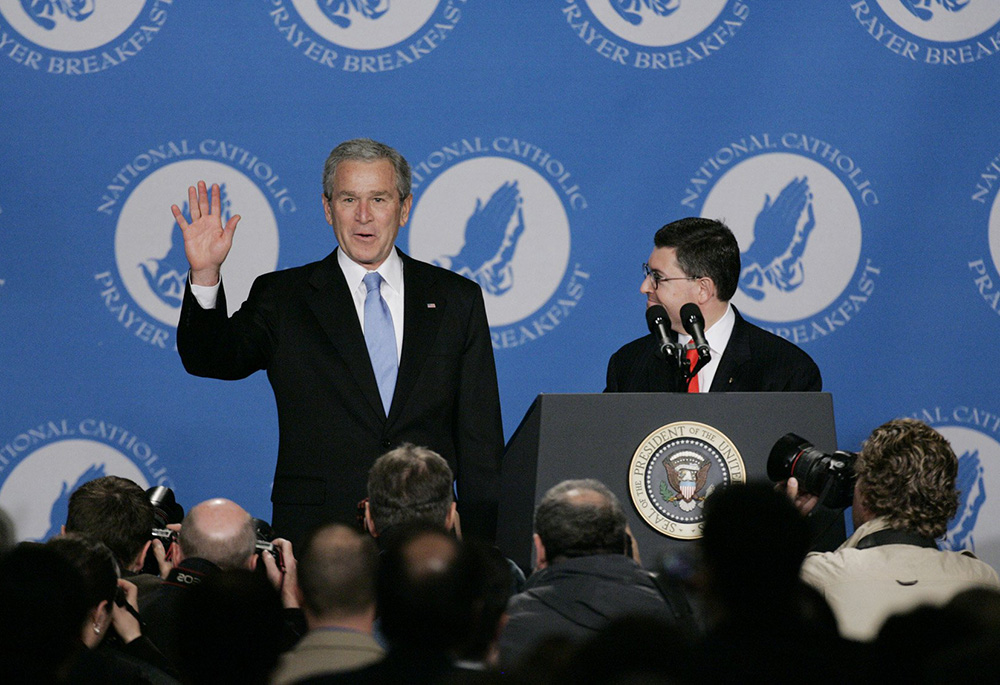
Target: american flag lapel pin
<point>431,305</point>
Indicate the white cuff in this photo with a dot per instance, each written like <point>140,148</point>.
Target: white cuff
<point>207,295</point>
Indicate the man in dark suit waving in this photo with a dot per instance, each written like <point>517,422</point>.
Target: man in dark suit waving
<point>698,260</point>
<point>365,349</point>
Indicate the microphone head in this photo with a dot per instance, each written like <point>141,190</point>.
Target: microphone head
<point>691,316</point>
<point>655,316</point>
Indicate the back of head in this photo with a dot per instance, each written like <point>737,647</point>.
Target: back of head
<point>579,518</point>
<point>229,629</point>
<point>906,473</point>
<point>219,531</point>
<point>409,483</point>
<point>95,563</point>
<point>336,573</point>
<point>705,248</point>
<point>424,590</point>
<point>115,511</point>
<point>753,544</point>
<point>493,586</point>
<point>43,611</point>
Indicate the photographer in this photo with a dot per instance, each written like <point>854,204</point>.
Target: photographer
<point>904,496</point>
<point>117,512</point>
<point>216,534</point>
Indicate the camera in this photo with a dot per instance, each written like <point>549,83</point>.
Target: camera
<point>165,510</point>
<point>265,534</point>
<point>829,476</point>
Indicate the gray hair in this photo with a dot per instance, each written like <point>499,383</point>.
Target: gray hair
<point>409,483</point>
<point>366,150</point>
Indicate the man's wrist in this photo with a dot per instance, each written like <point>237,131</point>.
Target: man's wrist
<point>205,277</point>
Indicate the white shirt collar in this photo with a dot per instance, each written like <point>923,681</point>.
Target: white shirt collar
<point>391,271</point>
<point>718,334</point>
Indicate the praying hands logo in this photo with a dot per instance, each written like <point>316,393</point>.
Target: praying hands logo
<point>971,496</point>
<point>47,13</point>
<point>632,10</point>
<point>924,9</point>
<point>339,11</point>
<point>165,276</point>
<point>491,236</point>
<point>780,234</point>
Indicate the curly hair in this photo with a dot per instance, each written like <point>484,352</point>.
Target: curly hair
<point>906,473</point>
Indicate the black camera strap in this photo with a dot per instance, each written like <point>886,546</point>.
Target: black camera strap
<point>891,536</point>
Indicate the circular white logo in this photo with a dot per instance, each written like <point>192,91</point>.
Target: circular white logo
<point>500,223</point>
<point>71,26</point>
<point>799,231</point>
<point>37,491</point>
<point>365,24</point>
<point>657,23</point>
<point>976,526</point>
<point>994,232</point>
<point>149,246</point>
<point>943,20</point>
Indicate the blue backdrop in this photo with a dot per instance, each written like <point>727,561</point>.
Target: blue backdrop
<point>853,147</point>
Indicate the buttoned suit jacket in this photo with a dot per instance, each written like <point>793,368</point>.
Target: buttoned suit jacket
<point>754,361</point>
<point>301,326</point>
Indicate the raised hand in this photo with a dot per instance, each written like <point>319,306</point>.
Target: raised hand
<point>206,241</point>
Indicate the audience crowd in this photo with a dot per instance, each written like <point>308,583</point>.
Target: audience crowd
<point>404,599</point>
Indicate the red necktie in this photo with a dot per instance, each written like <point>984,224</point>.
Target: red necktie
<point>692,357</point>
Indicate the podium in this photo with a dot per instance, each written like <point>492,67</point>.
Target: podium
<point>566,436</point>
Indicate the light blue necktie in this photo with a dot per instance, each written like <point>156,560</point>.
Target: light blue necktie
<point>380,338</point>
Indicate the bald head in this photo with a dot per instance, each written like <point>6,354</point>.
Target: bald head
<point>220,531</point>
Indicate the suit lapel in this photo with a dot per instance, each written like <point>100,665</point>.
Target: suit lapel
<point>334,308</point>
<point>423,307</point>
<point>737,353</point>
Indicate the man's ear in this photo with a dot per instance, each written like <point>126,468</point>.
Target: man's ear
<point>369,523</point>
<point>140,560</point>
<point>541,560</point>
<point>252,561</point>
<point>449,519</point>
<point>62,530</point>
<point>706,290</point>
<point>327,209</point>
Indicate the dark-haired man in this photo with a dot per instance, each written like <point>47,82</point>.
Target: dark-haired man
<point>584,575</point>
<point>117,512</point>
<point>698,260</point>
<point>365,349</point>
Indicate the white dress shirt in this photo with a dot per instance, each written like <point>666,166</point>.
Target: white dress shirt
<point>717,337</point>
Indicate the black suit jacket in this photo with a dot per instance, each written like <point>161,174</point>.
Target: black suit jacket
<point>302,327</point>
<point>754,361</point>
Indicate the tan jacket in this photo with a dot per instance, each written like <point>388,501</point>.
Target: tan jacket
<point>866,586</point>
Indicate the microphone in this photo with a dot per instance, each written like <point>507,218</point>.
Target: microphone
<point>694,324</point>
<point>658,323</point>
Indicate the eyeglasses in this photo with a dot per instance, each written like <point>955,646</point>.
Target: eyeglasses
<point>659,278</point>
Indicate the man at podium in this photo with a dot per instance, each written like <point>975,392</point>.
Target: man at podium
<point>696,260</point>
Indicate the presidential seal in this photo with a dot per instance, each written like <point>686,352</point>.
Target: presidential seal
<point>674,469</point>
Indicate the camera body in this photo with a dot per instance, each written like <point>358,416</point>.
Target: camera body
<point>829,476</point>
<point>164,535</point>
